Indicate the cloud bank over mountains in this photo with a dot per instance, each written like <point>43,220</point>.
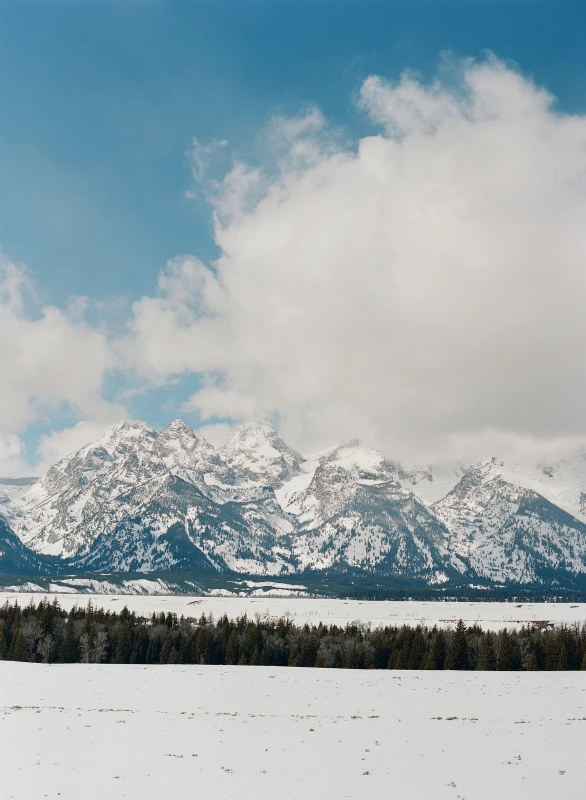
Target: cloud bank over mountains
<point>422,288</point>
<point>51,359</point>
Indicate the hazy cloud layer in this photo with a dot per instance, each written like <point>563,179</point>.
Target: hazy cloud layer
<point>424,289</point>
<point>51,360</point>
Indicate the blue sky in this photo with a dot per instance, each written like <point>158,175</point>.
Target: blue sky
<point>101,101</point>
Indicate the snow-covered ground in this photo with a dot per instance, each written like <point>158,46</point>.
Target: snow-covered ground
<point>94,731</point>
<point>73,585</point>
<point>492,616</point>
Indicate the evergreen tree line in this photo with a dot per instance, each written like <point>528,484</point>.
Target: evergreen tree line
<point>495,595</point>
<point>47,633</point>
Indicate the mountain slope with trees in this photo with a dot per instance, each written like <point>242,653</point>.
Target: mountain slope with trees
<point>138,500</point>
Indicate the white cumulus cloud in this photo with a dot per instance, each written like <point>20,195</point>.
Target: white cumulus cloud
<point>50,360</point>
<point>423,288</point>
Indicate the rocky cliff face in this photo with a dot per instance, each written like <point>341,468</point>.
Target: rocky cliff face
<point>138,500</point>
<point>508,532</point>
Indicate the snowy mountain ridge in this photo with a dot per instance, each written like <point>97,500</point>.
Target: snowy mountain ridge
<point>141,500</point>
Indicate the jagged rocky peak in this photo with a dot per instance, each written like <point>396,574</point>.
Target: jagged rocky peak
<point>75,469</point>
<point>508,531</point>
<point>563,482</point>
<point>79,468</point>
<point>355,457</point>
<point>257,453</point>
<point>125,437</point>
<point>331,479</point>
<point>137,499</point>
<point>178,428</point>
<point>179,445</point>
<point>177,435</point>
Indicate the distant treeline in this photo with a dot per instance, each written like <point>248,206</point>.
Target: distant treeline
<point>488,595</point>
<point>47,633</point>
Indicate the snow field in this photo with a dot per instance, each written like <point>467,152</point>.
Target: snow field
<point>96,731</point>
<point>491,616</point>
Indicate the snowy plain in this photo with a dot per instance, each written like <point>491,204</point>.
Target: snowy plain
<point>96,731</point>
<point>491,616</point>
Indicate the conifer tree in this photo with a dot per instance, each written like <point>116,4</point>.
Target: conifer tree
<point>417,651</point>
<point>123,644</point>
<point>18,648</point>
<point>166,650</point>
<point>233,648</point>
<point>458,653</point>
<point>436,657</point>
<point>70,645</point>
<point>126,638</point>
<point>509,653</point>
<point>487,655</point>
<point>563,660</point>
<point>320,660</point>
<point>532,662</point>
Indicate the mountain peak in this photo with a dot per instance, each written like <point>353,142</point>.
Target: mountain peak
<point>178,427</point>
<point>178,445</point>
<point>129,428</point>
<point>356,456</point>
<point>257,430</point>
<point>257,452</point>
<point>141,500</point>
<point>124,437</point>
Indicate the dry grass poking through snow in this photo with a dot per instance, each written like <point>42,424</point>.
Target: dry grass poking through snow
<point>88,731</point>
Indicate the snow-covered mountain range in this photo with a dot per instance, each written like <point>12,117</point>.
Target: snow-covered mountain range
<point>140,500</point>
